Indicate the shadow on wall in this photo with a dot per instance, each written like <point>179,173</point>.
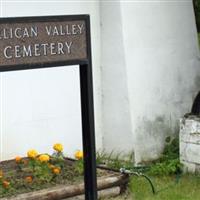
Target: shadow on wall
<point>153,133</point>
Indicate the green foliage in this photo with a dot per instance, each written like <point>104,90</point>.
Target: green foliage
<point>79,167</point>
<point>167,167</point>
<point>42,173</point>
<point>169,161</point>
<point>171,150</point>
<point>199,38</point>
<point>32,174</point>
<point>167,164</point>
<point>196,4</point>
<point>115,161</point>
<point>59,161</point>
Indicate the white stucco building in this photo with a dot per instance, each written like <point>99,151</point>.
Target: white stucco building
<point>146,75</point>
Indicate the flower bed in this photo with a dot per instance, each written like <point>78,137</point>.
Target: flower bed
<point>43,176</point>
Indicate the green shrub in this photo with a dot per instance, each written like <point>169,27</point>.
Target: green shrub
<point>171,150</point>
<point>168,167</point>
<point>168,163</point>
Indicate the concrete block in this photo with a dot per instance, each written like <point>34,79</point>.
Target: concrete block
<point>190,130</point>
<point>191,167</point>
<point>190,152</point>
<point>190,143</point>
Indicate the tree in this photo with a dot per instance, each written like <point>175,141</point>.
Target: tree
<point>196,4</point>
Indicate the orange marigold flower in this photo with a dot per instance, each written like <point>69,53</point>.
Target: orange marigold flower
<point>51,166</point>
<point>44,158</point>
<point>29,179</point>
<point>18,159</point>
<point>58,147</point>
<point>56,170</point>
<point>1,174</point>
<point>79,155</point>
<point>32,153</point>
<point>6,184</point>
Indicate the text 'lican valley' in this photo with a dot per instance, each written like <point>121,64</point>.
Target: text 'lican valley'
<point>34,31</point>
<point>41,40</point>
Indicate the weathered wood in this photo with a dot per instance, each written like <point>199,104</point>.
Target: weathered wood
<point>63,191</point>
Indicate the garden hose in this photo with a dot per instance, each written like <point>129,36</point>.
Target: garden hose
<point>129,172</point>
<point>125,171</point>
<point>139,174</point>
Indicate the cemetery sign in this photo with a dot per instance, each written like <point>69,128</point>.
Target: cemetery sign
<point>53,41</point>
<point>42,40</point>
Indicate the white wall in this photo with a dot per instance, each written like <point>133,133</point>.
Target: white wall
<point>151,64</point>
<point>41,107</point>
<point>118,136</point>
<point>146,74</point>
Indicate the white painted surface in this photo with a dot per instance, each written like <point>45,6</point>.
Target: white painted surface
<point>118,135</point>
<point>41,107</point>
<point>154,54</point>
<point>146,66</point>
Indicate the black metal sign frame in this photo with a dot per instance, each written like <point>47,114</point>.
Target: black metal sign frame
<point>86,91</point>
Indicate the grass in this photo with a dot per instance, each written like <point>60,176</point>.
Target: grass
<point>187,188</point>
<point>167,188</point>
<point>162,172</point>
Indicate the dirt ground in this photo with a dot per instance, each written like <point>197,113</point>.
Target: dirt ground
<point>124,197</point>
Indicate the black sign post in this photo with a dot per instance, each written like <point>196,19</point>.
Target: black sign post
<point>53,41</point>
